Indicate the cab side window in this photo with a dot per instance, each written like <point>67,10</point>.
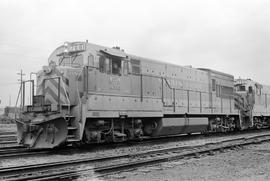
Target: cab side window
<point>250,90</point>
<point>213,85</point>
<point>125,67</point>
<point>258,91</point>
<point>135,67</point>
<point>110,65</point>
<point>102,64</point>
<point>90,60</point>
<point>217,90</point>
<point>116,67</point>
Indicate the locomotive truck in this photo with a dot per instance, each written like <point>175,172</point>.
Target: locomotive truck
<point>94,94</point>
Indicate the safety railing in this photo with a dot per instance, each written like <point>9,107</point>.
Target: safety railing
<point>23,91</point>
<point>174,90</point>
<point>21,94</point>
<point>188,92</point>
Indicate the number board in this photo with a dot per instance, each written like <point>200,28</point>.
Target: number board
<point>70,48</point>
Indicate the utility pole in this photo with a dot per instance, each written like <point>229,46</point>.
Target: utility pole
<point>21,82</point>
<point>31,96</point>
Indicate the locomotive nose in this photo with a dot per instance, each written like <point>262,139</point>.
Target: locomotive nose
<point>45,134</point>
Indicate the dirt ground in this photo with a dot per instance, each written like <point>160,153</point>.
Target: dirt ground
<point>244,164</point>
<point>92,152</point>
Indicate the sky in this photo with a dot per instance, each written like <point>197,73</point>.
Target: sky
<point>231,36</point>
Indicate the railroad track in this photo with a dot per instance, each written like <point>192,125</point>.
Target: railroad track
<point>6,144</point>
<point>8,137</point>
<point>11,147</point>
<point>3,143</point>
<point>19,151</point>
<point>7,140</point>
<point>111,164</point>
<point>13,150</point>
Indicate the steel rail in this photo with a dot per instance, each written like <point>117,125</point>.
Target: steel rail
<point>7,142</point>
<point>8,137</point>
<point>11,147</point>
<point>21,152</point>
<point>8,133</point>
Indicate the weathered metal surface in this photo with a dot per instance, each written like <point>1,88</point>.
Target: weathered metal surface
<point>100,83</point>
<point>171,126</point>
<point>42,133</point>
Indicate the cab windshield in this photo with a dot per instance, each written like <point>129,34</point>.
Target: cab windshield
<point>71,60</point>
<point>241,88</point>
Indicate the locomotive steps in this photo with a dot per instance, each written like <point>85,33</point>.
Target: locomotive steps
<point>111,164</point>
<point>7,138</point>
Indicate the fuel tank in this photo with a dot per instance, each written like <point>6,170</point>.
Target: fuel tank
<point>172,126</point>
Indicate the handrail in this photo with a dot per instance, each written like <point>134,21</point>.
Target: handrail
<point>64,87</point>
<point>65,91</point>
<point>160,77</point>
<point>80,102</point>
<point>60,82</point>
<point>141,87</point>
<point>23,89</point>
<point>174,89</point>
<point>85,80</point>
<point>188,98</point>
<point>32,73</point>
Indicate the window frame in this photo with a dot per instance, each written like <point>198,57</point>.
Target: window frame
<point>102,69</point>
<point>90,62</point>
<point>117,62</point>
<point>135,63</point>
<point>213,85</point>
<point>108,63</point>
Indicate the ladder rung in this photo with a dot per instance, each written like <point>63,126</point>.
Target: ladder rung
<point>65,105</point>
<point>67,116</point>
<point>72,140</point>
<point>72,128</point>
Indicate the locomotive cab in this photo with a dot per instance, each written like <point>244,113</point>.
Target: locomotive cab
<point>50,120</point>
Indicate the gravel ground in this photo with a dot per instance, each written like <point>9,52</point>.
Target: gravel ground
<point>245,164</point>
<point>91,153</point>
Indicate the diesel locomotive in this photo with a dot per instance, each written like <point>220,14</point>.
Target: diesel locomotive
<point>94,94</point>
